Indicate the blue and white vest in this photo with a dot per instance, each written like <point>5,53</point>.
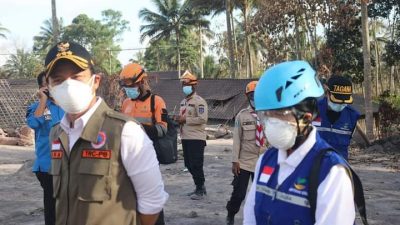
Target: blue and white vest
<point>338,134</point>
<point>288,203</point>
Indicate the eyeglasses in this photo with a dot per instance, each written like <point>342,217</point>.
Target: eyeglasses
<point>282,114</point>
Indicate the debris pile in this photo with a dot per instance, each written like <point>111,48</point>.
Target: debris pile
<point>24,136</point>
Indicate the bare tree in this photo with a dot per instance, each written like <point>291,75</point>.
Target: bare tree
<point>367,70</point>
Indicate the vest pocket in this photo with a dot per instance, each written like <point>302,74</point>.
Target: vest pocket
<point>94,180</point>
<point>55,171</point>
<point>249,132</point>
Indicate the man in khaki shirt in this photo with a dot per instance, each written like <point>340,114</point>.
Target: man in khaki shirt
<point>248,145</point>
<point>192,118</point>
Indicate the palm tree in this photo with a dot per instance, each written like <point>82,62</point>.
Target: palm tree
<point>3,31</point>
<point>171,20</point>
<point>245,6</point>
<point>46,38</point>
<point>216,7</point>
<point>367,70</point>
<point>22,64</point>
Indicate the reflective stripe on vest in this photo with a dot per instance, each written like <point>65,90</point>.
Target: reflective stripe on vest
<point>292,199</point>
<point>333,130</point>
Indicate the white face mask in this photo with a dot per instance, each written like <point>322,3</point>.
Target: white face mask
<point>336,107</point>
<point>73,96</point>
<point>280,134</point>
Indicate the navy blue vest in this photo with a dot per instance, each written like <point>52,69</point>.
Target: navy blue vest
<point>288,203</point>
<point>338,134</point>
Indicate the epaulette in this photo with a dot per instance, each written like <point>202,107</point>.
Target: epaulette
<point>120,116</point>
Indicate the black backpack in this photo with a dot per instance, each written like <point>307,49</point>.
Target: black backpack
<point>358,188</point>
<point>166,147</point>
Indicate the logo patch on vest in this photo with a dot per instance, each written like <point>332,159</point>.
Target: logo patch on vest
<point>266,174</point>
<point>56,154</point>
<point>101,140</point>
<point>96,154</point>
<point>299,186</point>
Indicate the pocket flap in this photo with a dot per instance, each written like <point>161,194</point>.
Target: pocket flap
<point>94,166</point>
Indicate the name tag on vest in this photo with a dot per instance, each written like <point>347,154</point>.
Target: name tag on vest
<point>56,154</point>
<point>96,154</point>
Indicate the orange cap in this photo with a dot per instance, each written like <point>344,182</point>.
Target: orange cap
<point>188,78</point>
<point>250,87</point>
<point>133,71</point>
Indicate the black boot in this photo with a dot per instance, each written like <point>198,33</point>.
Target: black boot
<point>199,193</point>
<point>230,219</point>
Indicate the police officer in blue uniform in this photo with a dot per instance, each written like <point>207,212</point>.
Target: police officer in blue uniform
<point>337,120</point>
<point>286,101</point>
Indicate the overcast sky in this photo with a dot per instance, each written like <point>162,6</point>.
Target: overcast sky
<point>24,17</point>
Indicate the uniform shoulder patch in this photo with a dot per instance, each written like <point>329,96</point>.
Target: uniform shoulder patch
<point>201,109</point>
<point>120,116</point>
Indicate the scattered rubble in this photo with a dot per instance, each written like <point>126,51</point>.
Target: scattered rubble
<point>24,136</point>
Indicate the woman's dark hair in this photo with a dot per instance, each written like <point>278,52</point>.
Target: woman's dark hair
<point>40,78</point>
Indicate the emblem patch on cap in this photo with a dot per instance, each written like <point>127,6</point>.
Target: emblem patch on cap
<point>63,46</point>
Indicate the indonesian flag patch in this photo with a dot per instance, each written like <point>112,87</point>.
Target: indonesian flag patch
<point>266,174</point>
<point>317,122</point>
<point>56,145</point>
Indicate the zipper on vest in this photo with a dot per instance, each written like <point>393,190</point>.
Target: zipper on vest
<point>275,192</point>
<point>66,222</point>
<point>269,219</point>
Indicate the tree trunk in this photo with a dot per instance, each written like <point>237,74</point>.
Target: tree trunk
<point>367,71</point>
<point>179,52</point>
<point>201,53</point>
<point>248,50</point>
<point>230,42</point>
<point>238,66</point>
<point>377,62</point>
<point>56,32</point>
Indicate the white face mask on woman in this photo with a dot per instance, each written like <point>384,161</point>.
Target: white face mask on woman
<point>280,134</point>
<point>73,96</point>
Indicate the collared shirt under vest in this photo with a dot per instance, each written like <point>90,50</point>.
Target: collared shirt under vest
<point>90,183</point>
<point>338,134</point>
<point>279,193</point>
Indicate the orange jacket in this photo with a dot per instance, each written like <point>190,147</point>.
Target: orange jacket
<point>141,111</point>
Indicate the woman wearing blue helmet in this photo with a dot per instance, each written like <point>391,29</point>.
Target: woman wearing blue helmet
<point>286,101</point>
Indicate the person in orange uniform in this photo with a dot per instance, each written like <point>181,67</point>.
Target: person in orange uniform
<point>134,81</point>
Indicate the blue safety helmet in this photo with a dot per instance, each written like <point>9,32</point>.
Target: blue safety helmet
<point>285,85</point>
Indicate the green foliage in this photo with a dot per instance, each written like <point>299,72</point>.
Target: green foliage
<point>100,37</point>
<point>389,113</point>
<point>345,42</point>
<point>45,39</point>
<point>172,21</point>
<point>23,64</point>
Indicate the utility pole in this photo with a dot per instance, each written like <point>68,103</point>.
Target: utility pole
<point>54,20</point>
